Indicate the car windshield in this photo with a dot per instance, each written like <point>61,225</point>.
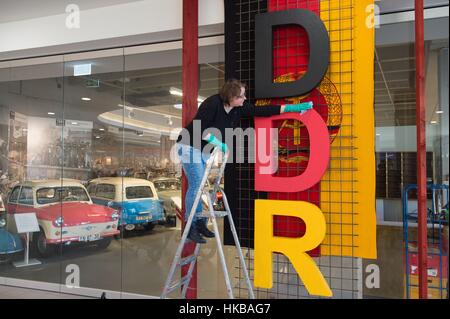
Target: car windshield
<point>51,195</point>
<point>167,185</point>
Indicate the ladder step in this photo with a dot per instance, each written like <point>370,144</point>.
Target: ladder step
<point>217,213</point>
<point>187,260</point>
<point>184,281</point>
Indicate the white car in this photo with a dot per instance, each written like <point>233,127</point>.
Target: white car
<point>65,214</point>
<point>135,198</point>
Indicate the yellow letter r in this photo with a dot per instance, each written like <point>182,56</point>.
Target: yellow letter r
<point>293,248</point>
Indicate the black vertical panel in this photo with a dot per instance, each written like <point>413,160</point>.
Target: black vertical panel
<point>240,64</point>
<point>230,39</point>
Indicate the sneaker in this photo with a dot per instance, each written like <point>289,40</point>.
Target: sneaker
<point>195,235</point>
<point>202,229</point>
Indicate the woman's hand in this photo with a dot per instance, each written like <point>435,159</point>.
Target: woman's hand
<point>301,107</point>
<point>214,141</point>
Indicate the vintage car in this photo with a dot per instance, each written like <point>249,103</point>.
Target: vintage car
<point>65,214</point>
<point>168,189</point>
<point>10,244</point>
<point>136,200</point>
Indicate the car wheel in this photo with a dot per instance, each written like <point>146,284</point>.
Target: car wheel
<point>42,247</point>
<point>171,221</point>
<point>104,243</point>
<point>149,226</point>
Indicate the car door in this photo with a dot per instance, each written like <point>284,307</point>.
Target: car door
<point>25,203</point>
<point>11,207</point>
<point>105,195</point>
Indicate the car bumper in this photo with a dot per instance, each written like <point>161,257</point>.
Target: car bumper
<point>142,219</point>
<point>82,233</point>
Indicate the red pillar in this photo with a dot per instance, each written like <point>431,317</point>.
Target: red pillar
<point>421,149</point>
<point>190,93</point>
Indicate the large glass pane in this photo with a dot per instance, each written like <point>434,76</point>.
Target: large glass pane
<point>92,149</point>
<point>31,113</point>
<point>152,119</point>
<point>396,157</point>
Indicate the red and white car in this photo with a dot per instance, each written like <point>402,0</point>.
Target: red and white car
<point>65,214</point>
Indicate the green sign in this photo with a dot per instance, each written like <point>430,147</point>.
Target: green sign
<point>91,83</point>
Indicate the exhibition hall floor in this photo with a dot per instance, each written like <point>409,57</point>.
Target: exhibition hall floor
<point>136,265</point>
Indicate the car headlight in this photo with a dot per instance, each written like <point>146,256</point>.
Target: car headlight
<point>2,222</point>
<point>115,215</point>
<point>59,222</point>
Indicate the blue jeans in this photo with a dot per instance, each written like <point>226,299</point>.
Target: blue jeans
<point>194,166</point>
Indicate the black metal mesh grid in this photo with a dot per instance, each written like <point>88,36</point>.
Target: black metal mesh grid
<point>343,274</point>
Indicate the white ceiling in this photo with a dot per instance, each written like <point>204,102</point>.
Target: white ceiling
<point>15,10</point>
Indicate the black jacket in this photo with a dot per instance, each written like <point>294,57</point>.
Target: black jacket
<point>212,114</point>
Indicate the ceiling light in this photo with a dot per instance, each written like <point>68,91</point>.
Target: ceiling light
<point>178,106</point>
<point>97,136</point>
<point>86,98</point>
<point>433,122</point>
<point>439,112</point>
<point>378,134</point>
<point>101,129</point>
<point>131,113</point>
<point>178,92</point>
<point>175,91</point>
<point>50,113</point>
<point>74,123</point>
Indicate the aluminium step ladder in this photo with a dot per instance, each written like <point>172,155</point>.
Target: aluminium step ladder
<point>209,192</point>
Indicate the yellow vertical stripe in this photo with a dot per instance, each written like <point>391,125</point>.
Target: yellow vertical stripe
<point>348,188</point>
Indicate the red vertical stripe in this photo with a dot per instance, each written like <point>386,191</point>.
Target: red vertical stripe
<point>291,55</point>
<point>421,149</point>
<point>190,93</point>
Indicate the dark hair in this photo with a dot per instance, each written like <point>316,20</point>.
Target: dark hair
<point>231,89</point>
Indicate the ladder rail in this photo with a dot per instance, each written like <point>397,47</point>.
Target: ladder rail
<point>238,248</point>
<point>220,250</point>
<point>190,271</point>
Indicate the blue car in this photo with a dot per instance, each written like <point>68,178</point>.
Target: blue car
<point>10,244</point>
<point>135,199</point>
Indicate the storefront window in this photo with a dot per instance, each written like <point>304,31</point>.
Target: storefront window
<point>396,160</point>
<point>85,146</point>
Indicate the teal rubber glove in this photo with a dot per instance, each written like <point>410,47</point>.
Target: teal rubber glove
<point>301,107</point>
<point>214,141</point>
